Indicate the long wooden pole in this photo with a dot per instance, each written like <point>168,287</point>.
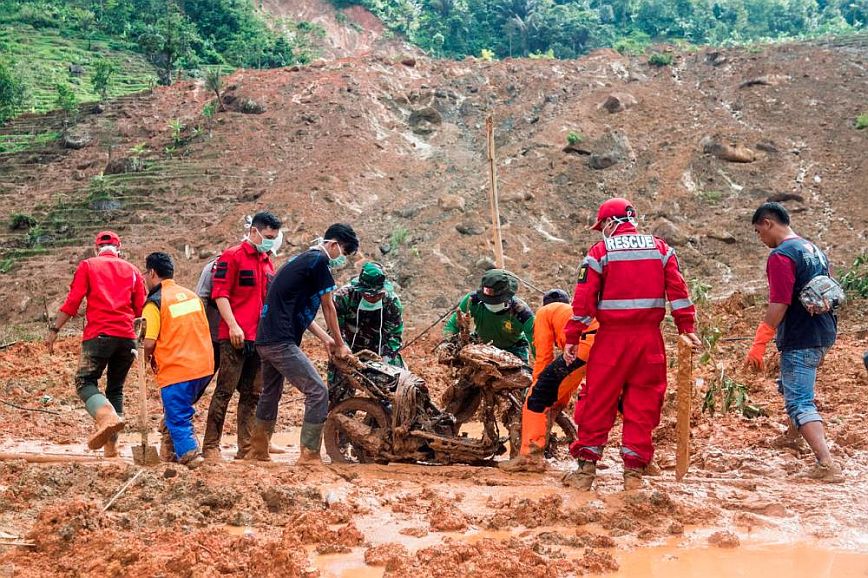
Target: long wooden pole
<point>492,194</point>
<point>683,397</point>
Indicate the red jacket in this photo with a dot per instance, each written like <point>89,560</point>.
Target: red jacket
<point>115,294</point>
<point>242,275</point>
<point>626,280</point>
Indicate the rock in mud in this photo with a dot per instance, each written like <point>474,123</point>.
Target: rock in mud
<point>425,120</point>
<point>469,229</point>
<point>722,236</point>
<point>250,106</point>
<point>733,153</point>
<point>444,517</point>
<point>451,202</point>
<point>609,150</point>
<point>669,232</point>
<point>124,165</point>
<point>391,555</point>
<point>724,539</point>
<point>77,140</point>
<point>618,102</point>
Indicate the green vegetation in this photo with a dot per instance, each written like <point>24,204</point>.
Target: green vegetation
<point>399,237</point>
<point>710,197</point>
<point>659,59</point>
<point>727,394</point>
<point>574,138</point>
<point>103,71</point>
<point>17,143</point>
<point>12,91</point>
<point>108,48</point>
<point>862,121</point>
<point>568,28</point>
<point>21,221</point>
<point>855,279</point>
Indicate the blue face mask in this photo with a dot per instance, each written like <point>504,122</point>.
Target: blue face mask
<point>365,305</point>
<point>265,245</point>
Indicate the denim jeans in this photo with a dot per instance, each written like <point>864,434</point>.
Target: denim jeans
<point>796,383</point>
<point>286,360</point>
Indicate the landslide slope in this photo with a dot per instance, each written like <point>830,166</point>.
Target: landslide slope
<point>399,151</point>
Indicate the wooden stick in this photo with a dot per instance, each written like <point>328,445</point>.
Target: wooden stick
<point>22,544</point>
<point>122,490</point>
<point>683,395</point>
<point>48,458</point>
<point>492,194</point>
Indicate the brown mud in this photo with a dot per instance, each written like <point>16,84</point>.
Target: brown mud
<point>743,500</point>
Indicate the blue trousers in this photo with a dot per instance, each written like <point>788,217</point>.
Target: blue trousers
<point>178,400</point>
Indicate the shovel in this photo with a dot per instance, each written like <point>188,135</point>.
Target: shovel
<point>144,454</point>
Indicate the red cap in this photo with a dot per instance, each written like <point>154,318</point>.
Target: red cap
<point>616,207</point>
<point>107,238</point>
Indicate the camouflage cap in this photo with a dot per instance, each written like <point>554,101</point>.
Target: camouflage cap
<point>372,278</point>
<point>497,286</point>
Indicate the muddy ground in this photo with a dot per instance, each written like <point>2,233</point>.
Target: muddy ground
<point>744,503</point>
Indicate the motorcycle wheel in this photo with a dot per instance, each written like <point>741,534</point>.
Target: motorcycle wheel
<point>337,444</point>
<point>563,438</point>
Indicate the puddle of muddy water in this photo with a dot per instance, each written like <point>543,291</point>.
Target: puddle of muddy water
<point>675,559</point>
<point>778,560</point>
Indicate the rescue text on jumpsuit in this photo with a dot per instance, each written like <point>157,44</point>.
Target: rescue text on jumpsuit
<point>624,283</point>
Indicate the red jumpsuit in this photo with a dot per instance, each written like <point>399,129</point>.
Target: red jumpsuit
<point>624,282</point>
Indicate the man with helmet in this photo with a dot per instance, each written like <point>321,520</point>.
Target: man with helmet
<point>624,283</point>
<point>499,317</point>
<point>370,314</point>
<point>115,293</point>
<point>554,382</point>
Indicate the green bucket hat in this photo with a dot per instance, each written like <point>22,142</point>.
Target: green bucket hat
<point>497,286</point>
<point>371,280</point>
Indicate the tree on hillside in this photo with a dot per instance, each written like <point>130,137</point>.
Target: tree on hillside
<point>214,83</point>
<point>67,102</point>
<point>169,41</point>
<point>12,91</point>
<point>102,72</point>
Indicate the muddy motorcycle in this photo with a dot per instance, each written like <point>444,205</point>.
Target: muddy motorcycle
<point>380,413</point>
<point>480,367</point>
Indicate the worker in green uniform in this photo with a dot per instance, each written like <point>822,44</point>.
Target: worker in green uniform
<point>370,314</point>
<point>499,317</point>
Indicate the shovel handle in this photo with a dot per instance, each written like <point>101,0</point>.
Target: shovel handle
<point>143,390</point>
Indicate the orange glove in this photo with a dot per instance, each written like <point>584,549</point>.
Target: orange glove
<point>764,334</point>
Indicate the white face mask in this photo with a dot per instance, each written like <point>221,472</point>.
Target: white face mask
<point>496,307</point>
<point>614,224</point>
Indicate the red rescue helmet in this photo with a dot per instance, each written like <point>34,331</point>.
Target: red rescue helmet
<point>616,207</point>
<point>107,238</point>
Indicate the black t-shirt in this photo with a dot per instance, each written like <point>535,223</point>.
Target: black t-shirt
<point>294,297</point>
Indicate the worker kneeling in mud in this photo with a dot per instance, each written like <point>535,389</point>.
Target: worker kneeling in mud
<point>554,381</point>
<point>370,314</point>
<point>178,348</point>
<point>499,317</point>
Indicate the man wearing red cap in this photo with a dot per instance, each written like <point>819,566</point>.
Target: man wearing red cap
<point>624,282</point>
<point>115,295</point>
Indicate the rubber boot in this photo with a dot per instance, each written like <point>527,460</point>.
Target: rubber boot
<point>245,428</point>
<point>167,447</point>
<point>107,424</point>
<point>311,442</point>
<point>192,459</point>
<point>633,479</point>
<point>110,449</point>
<point>533,461</point>
<point>583,477</point>
<point>211,455</point>
<point>259,440</point>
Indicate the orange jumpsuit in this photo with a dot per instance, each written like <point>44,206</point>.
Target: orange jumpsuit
<point>554,391</point>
